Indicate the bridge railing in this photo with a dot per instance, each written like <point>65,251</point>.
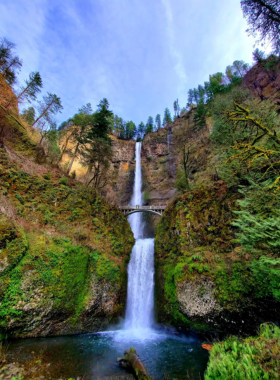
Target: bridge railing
<point>142,207</point>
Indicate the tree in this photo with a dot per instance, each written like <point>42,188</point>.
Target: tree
<point>32,88</point>
<point>196,95</point>
<point>166,117</point>
<point>229,73</point>
<point>158,121</point>
<point>96,155</point>
<point>50,105</point>
<point>82,122</point>
<point>29,115</point>
<point>176,108</point>
<point>9,63</point>
<point>201,93</point>
<point>102,119</point>
<point>65,136</point>
<point>187,161</point>
<point>263,17</point>
<point>266,155</point>
<point>240,68</point>
<point>52,149</point>
<point>118,126</point>
<point>190,97</point>
<point>258,55</point>
<point>150,125</point>
<point>141,130</point>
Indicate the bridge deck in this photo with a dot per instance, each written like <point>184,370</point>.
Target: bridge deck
<point>127,210</point>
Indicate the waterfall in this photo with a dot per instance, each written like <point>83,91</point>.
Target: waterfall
<point>140,289</point>
<point>168,140</point>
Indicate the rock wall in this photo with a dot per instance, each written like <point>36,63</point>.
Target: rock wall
<point>121,171</point>
<point>203,281</point>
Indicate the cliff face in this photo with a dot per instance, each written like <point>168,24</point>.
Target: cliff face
<point>120,187</point>
<point>203,280</point>
<point>121,171</point>
<point>162,155</point>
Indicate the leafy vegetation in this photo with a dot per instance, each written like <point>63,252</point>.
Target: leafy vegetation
<point>251,358</point>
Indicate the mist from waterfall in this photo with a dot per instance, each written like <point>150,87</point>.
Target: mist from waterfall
<point>140,289</point>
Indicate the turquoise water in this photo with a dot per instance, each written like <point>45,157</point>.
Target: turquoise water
<point>167,356</point>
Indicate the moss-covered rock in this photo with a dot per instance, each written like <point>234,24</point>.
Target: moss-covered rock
<point>203,279</point>
<point>63,261</point>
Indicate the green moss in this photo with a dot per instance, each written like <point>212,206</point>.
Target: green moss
<point>73,236</point>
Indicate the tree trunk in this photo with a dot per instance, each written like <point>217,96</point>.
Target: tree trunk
<point>73,158</point>
<point>131,361</point>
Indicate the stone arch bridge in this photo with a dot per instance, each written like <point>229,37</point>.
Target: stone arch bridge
<point>128,210</point>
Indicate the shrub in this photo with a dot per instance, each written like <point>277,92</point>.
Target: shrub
<point>47,176</point>
<point>64,181</point>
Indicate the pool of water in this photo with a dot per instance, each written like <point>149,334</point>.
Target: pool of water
<point>92,356</point>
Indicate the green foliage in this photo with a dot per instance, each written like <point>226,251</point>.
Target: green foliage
<point>9,62</point>
<point>181,183</point>
<point>64,181</point>
<point>267,273</point>
<point>252,358</point>
<point>256,232</point>
<point>166,117</point>
<point>32,87</point>
<point>47,176</point>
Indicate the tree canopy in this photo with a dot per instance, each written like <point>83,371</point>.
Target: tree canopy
<point>263,17</point>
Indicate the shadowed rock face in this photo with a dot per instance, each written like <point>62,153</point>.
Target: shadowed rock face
<point>263,80</point>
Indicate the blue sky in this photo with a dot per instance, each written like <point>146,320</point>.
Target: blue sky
<point>141,55</point>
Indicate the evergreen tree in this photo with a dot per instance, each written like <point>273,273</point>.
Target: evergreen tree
<point>29,115</point>
<point>201,93</point>
<point>50,105</point>
<point>166,117</point>
<point>176,108</point>
<point>158,122</point>
<point>32,88</point>
<point>9,63</point>
<point>196,95</point>
<point>102,118</point>
<point>150,125</point>
<point>258,55</point>
<point>263,17</point>
<point>190,97</point>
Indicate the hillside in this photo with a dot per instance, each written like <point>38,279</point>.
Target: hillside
<point>63,249</point>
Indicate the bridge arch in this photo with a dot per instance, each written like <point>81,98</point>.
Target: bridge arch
<point>129,210</point>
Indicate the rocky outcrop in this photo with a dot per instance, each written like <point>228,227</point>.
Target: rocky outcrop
<point>121,171</point>
<point>120,186</point>
<point>263,80</point>
<point>203,280</point>
<point>197,298</point>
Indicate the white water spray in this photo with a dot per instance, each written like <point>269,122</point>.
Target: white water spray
<point>140,290</point>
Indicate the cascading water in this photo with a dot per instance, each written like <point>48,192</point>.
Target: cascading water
<point>140,290</point>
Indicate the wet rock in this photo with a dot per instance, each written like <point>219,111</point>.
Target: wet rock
<point>197,298</point>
